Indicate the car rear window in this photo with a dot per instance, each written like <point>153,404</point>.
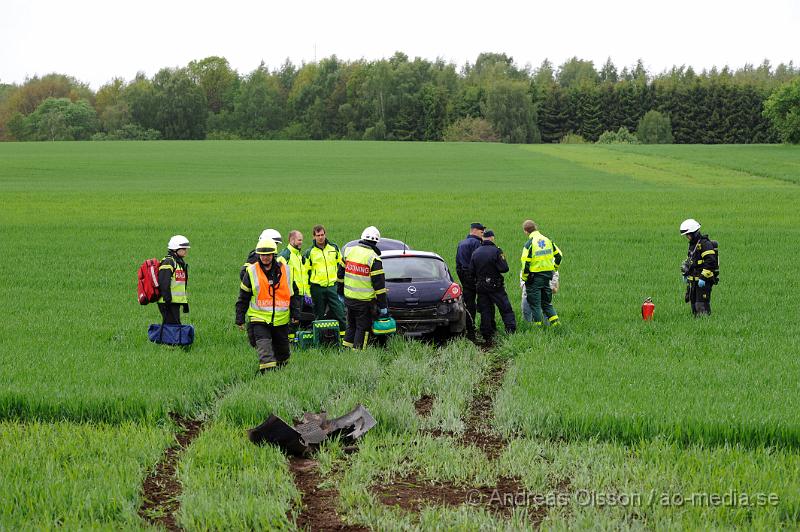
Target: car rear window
<point>409,269</point>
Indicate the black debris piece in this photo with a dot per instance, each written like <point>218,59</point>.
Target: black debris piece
<point>276,431</point>
<point>311,430</point>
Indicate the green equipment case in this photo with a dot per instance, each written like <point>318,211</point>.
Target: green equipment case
<point>304,339</point>
<point>384,326</point>
<point>326,332</point>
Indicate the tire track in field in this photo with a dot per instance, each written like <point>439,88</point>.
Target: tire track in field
<point>317,509</point>
<point>478,429</point>
<point>161,489</point>
<point>412,492</point>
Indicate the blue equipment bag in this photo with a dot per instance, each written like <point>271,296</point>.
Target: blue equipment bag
<point>171,334</point>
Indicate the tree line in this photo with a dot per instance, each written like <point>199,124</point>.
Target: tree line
<point>397,98</point>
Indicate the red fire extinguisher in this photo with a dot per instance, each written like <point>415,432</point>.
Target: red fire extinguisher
<point>648,308</point>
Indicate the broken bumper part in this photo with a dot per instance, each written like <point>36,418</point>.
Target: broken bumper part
<point>312,430</point>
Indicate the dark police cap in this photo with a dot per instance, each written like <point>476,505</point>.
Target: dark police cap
<point>477,225</point>
<point>488,233</point>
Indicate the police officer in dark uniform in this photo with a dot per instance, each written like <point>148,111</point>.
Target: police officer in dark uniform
<point>488,264</point>
<point>463,256</point>
<point>700,269</point>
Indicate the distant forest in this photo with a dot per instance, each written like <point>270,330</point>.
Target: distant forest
<point>403,99</point>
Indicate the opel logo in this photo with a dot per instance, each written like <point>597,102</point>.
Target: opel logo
<point>412,290</point>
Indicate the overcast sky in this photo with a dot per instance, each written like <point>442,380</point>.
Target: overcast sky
<point>95,41</point>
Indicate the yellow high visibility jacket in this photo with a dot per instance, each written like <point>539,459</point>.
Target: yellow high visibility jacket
<point>358,273</point>
<point>539,254</point>
<point>322,264</point>
<point>177,283</point>
<point>269,303</point>
<point>294,258</point>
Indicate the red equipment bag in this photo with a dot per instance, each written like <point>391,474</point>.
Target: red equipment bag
<point>148,282</point>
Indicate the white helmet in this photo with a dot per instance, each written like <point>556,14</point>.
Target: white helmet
<point>690,226</point>
<point>178,242</point>
<point>371,234</point>
<point>271,234</point>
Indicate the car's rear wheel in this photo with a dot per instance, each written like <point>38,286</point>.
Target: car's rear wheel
<point>442,335</point>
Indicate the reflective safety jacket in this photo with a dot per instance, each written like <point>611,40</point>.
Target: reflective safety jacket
<point>361,271</point>
<point>299,269</point>
<point>172,280</point>
<point>703,261</point>
<point>540,254</point>
<point>266,295</point>
<point>322,263</point>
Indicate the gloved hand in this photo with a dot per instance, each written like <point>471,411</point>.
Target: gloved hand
<point>701,283</point>
<point>308,301</point>
<point>686,279</point>
<point>186,308</point>
<point>383,313</point>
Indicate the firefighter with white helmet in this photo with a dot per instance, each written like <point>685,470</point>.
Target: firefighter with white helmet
<point>271,233</point>
<point>265,299</point>
<point>252,257</point>
<point>363,284</point>
<point>173,275</point>
<point>700,270</point>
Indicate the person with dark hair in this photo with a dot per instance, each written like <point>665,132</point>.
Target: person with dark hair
<point>487,266</point>
<point>463,256</point>
<point>322,262</point>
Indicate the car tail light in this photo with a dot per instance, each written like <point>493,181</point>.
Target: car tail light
<point>452,293</point>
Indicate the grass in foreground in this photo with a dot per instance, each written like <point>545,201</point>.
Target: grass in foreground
<point>635,385</point>
<point>227,479</point>
<point>68,476</point>
<point>650,484</point>
<point>230,484</point>
<point>658,484</point>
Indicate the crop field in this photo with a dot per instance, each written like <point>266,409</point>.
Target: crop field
<point>608,421</point>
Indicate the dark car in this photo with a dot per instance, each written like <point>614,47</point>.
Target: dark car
<point>384,244</point>
<point>423,298</point>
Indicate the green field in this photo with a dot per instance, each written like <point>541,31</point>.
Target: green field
<point>607,402</point>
